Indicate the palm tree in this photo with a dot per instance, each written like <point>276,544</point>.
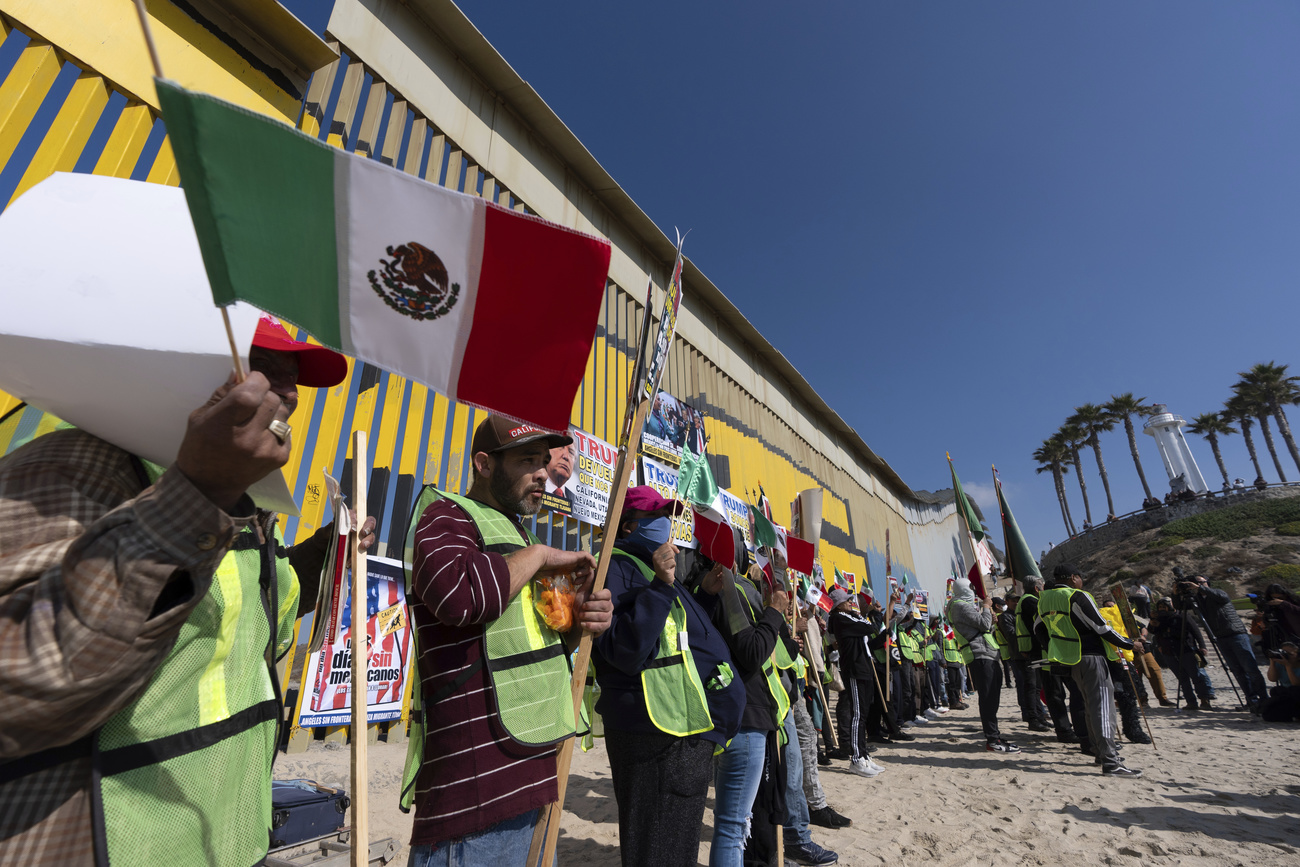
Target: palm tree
<point>1212,425</point>
<point>1276,388</point>
<point>1053,457</point>
<point>1236,409</point>
<point>1125,406</point>
<point>1072,436</point>
<point>1257,404</point>
<point>1094,420</point>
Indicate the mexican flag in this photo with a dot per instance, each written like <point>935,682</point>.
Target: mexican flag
<point>444,288</point>
<point>1020,560</point>
<point>970,541</point>
<point>764,505</point>
<point>767,534</point>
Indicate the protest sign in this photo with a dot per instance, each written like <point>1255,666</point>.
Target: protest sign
<point>327,673</point>
<point>666,429</point>
<point>663,479</point>
<point>738,515</point>
<point>580,476</point>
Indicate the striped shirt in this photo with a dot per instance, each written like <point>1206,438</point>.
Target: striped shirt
<point>474,775</point>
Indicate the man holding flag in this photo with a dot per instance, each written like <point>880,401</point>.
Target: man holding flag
<point>493,677</point>
<point>143,613</point>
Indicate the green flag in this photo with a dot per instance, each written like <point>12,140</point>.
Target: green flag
<point>1020,560</point>
<point>695,480</point>
<point>764,531</point>
<point>964,507</point>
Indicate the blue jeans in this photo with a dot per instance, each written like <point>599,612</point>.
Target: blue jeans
<point>1202,678</point>
<point>796,805</point>
<point>735,785</point>
<point>505,843</point>
<point>1240,657</point>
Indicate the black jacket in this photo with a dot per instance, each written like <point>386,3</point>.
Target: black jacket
<point>1219,613</point>
<point>849,630</point>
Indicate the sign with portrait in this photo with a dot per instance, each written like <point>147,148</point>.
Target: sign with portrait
<point>580,476</point>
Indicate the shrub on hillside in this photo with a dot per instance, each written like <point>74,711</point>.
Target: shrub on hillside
<point>1205,552</point>
<point>1165,542</point>
<point>1286,574</point>
<point>1291,529</point>
<point>1279,551</point>
<point>1125,575</point>
<point>1236,522</point>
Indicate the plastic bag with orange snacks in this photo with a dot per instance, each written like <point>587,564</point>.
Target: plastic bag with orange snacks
<point>554,599</point>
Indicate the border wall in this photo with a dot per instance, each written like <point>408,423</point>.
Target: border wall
<point>415,85</point>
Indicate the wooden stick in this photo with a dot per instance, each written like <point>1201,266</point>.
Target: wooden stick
<point>1133,685</point>
<point>548,822</point>
<point>360,662</point>
<point>817,682</point>
<point>143,15</point>
<point>148,37</point>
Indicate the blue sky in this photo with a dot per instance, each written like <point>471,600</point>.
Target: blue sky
<point>960,221</point>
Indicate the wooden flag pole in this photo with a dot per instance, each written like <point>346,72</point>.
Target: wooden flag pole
<point>547,831</point>
<point>360,661</point>
<point>143,15</point>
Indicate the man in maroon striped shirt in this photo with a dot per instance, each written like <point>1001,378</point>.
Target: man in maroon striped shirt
<point>478,791</point>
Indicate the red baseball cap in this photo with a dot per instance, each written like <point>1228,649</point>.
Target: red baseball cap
<point>318,366</point>
<point>644,498</point>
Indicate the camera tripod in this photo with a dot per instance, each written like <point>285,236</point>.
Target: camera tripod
<point>1186,603</point>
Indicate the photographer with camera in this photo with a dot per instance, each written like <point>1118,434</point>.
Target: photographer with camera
<point>1283,669</point>
<point>1180,647</point>
<point>1279,612</point>
<point>1227,629</point>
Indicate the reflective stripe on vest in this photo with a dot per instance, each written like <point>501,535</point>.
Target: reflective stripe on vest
<point>1003,646</point>
<point>193,752</point>
<point>674,693</point>
<point>963,645</point>
<point>1024,631</point>
<point>1063,645</point>
<point>950,652</point>
<point>525,659</point>
<point>774,687</point>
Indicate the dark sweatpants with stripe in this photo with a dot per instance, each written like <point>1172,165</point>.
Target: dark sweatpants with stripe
<point>855,702</point>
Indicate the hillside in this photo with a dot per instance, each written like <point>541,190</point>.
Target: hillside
<point>1241,548</point>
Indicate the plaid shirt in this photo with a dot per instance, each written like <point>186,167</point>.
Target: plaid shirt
<point>97,575</point>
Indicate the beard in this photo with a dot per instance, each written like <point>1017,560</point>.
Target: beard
<point>513,495</point>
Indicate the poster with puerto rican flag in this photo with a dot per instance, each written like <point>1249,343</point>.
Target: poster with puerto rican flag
<point>327,674</point>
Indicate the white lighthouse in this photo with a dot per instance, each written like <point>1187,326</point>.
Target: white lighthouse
<point>1167,429</point>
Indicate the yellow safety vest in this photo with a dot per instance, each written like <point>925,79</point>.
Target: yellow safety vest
<point>525,659</point>
<point>674,693</point>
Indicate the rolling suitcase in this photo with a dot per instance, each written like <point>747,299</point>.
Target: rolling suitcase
<point>304,810</point>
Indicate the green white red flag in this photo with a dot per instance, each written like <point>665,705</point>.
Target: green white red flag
<point>444,288</point>
<point>1020,560</point>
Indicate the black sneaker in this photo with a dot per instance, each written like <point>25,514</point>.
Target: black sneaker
<point>810,853</point>
<point>1121,771</point>
<point>839,753</point>
<point>826,817</point>
<point>1001,746</point>
<point>1038,726</point>
<point>823,759</point>
<point>1066,736</point>
<point>1137,736</point>
<point>903,736</point>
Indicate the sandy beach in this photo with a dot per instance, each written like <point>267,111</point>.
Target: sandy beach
<point>1222,789</point>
